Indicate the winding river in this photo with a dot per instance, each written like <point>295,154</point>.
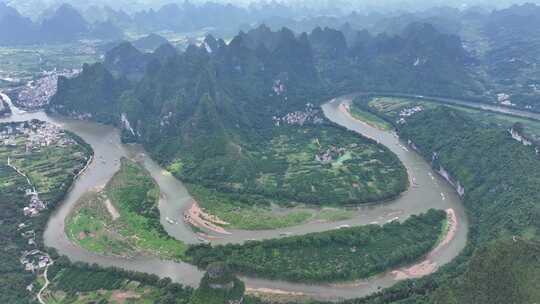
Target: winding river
<point>427,191</point>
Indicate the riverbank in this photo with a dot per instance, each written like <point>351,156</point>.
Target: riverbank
<point>427,266</point>
<point>122,220</point>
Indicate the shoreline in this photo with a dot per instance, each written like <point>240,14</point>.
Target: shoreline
<point>197,217</point>
<point>428,266</point>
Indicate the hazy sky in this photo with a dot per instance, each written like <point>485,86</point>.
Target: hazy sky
<point>361,5</point>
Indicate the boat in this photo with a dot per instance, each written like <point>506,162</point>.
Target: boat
<point>393,219</point>
<point>205,241</point>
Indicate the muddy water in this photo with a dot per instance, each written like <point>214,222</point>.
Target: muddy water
<point>427,191</point>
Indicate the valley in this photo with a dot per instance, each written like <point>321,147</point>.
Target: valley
<point>270,153</point>
<point>151,265</point>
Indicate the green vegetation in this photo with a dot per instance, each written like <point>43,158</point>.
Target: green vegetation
<point>505,271</point>
<point>339,255</point>
<point>91,226</point>
<point>81,283</point>
<point>285,170</point>
<point>389,107</point>
<point>25,63</point>
<point>260,216</point>
<point>218,286</point>
<point>52,169</point>
<point>500,177</point>
<point>369,118</point>
<point>242,121</point>
<point>124,218</point>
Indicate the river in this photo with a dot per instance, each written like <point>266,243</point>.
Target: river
<point>427,191</point>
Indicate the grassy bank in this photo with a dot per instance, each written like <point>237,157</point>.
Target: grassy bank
<point>123,219</point>
<point>369,118</point>
<point>240,215</point>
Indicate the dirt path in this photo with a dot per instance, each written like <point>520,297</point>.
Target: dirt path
<point>112,210</point>
<point>40,299</point>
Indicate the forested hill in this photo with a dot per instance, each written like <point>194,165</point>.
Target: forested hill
<point>260,74</point>
<point>500,177</point>
<point>211,112</point>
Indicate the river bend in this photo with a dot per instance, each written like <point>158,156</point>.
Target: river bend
<point>428,191</point>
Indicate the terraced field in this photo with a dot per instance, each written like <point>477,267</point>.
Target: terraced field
<point>51,166</point>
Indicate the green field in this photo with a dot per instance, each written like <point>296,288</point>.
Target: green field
<point>24,63</point>
<point>389,107</point>
<point>261,216</point>
<point>131,223</point>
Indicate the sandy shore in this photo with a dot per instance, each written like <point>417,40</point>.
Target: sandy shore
<point>427,266</point>
<point>198,218</point>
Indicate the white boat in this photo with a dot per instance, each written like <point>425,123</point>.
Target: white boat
<point>205,241</point>
<point>170,221</point>
<point>393,219</point>
<point>343,226</point>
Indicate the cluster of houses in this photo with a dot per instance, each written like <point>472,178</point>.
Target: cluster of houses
<point>37,134</point>
<point>309,115</point>
<point>329,155</point>
<point>408,112</point>
<point>37,93</point>
<point>29,235</point>
<point>35,260</point>
<point>279,87</point>
<point>35,206</point>
<point>504,99</point>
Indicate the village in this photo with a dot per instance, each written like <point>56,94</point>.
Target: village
<point>23,138</point>
<point>299,118</point>
<point>329,155</point>
<point>37,93</point>
<point>408,112</point>
<point>36,134</point>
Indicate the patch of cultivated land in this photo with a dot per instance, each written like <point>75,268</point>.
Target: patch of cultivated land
<point>123,219</point>
<point>292,177</point>
<point>83,285</point>
<point>390,108</point>
<point>51,158</point>
<point>334,256</point>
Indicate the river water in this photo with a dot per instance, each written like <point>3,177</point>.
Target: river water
<point>427,191</point>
